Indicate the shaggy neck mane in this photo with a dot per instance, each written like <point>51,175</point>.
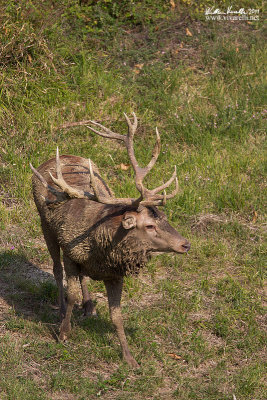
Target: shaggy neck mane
<point>118,251</point>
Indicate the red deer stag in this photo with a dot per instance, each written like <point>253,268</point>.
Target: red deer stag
<point>101,236</point>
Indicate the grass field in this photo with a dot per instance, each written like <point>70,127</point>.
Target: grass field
<point>196,323</point>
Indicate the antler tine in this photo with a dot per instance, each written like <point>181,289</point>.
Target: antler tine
<point>166,184</point>
<point>41,179</point>
<point>139,172</point>
<point>132,127</point>
<point>155,153</point>
<point>45,184</point>
<point>164,200</point>
<point>59,172</point>
<point>62,184</point>
<point>160,200</point>
<point>109,134</point>
<point>93,181</point>
<point>108,200</point>
<point>39,176</point>
<point>173,193</point>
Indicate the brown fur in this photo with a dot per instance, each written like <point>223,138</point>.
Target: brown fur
<point>98,240</point>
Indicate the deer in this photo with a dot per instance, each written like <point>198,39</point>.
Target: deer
<point>100,236</point>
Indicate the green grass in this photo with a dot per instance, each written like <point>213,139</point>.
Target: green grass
<point>195,323</point>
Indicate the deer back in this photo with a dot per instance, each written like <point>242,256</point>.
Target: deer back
<point>75,171</point>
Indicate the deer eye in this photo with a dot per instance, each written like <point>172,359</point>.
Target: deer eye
<point>150,227</point>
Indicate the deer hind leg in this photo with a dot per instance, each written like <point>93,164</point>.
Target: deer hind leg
<point>73,290</point>
<point>88,304</point>
<point>54,250</point>
<point>114,290</point>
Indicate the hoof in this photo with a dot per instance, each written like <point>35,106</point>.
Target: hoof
<point>131,362</point>
<point>89,309</point>
<point>65,329</point>
<point>63,337</point>
<point>90,314</point>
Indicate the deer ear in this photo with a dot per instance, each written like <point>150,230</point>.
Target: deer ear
<point>129,221</point>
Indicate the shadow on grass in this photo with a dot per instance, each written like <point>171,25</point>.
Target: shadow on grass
<point>32,294</point>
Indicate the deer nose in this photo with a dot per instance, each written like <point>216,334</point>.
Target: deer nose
<point>186,246</point>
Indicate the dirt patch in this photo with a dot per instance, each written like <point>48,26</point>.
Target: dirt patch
<point>7,199</point>
<point>202,223</point>
<point>63,396</point>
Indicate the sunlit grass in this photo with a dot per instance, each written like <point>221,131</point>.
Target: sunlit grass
<point>194,323</point>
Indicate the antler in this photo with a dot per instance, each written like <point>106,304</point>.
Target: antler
<point>61,183</point>
<point>77,193</point>
<point>147,197</point>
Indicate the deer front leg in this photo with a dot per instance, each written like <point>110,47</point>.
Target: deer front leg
<point>88,304</point>
<point>72,296</point>
<point>58,274</point>
<point>114,290</point>
<point>54,250</point>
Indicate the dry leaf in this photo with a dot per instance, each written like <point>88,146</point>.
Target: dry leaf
<point>172,3</point>
<point>124,167</point>
<point>237,49</point>
<point>255,216</point>
<point>188,33</point>
<point>174,356</point>
<point>29,58</point>
<point>137,68</point>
